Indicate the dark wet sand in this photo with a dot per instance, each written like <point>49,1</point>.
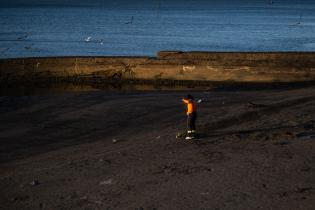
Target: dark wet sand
<point>257,155</point>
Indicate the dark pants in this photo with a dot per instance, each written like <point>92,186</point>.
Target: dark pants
<point>191,121</point>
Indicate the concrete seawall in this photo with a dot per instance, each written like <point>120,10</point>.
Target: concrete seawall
<point>168,65</point>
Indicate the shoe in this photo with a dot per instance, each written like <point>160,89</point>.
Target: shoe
<point>188,137</point>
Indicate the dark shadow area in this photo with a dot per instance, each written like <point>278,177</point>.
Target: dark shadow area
<point>59,85</point>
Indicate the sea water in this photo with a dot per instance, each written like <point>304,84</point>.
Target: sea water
<point>100,31</point>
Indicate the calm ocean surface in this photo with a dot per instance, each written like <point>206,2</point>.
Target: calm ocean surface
<point>92,31</point>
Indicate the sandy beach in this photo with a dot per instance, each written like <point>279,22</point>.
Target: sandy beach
<point>117,150</point>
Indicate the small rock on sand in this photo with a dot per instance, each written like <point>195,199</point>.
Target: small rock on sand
<point>34,183</point>
<point>107,182</point>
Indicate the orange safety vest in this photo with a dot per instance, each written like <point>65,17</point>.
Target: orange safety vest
<point>191,106</point>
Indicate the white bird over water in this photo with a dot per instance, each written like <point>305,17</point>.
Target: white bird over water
<point>88,39</point>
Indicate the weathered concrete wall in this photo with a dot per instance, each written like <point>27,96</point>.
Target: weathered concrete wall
<point>200,66</point>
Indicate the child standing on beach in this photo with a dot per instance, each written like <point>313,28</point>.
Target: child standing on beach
<point>191,116</point>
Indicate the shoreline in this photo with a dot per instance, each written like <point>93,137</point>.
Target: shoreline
<point>171,66</point>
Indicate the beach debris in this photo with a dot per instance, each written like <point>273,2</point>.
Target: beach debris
<point>35,182</point>
<point>104,161</point>
<point>107,182</point>
<point>255,105</point>
<point>199,101</point>
<point>85,198</point>
<point>114,141</point>
<point>97,202</point>
<point>88,39</point>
